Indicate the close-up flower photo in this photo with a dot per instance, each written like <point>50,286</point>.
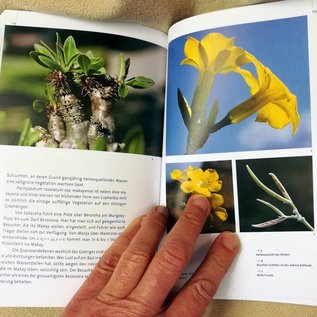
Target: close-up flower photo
<point>227,83</point>
<point>210,179</point>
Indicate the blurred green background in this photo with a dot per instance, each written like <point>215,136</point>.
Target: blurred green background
<point>22,81</point>
<point>295,173</point>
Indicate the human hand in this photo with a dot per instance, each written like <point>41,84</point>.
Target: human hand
<point>133,280</point>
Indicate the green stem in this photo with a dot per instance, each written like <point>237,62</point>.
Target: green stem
<point>265,188</point>
<point>305,223</point>
<point>197,127</point>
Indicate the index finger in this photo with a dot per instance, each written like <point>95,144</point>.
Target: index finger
<point>175,253</point>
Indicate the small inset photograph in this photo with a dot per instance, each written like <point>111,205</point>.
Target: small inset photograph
<point>83,90</point>
<point>211,179</point>
<point>275,194</point>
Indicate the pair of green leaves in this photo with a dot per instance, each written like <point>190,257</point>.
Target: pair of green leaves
<point>62,59</point>
<point>137,82</point>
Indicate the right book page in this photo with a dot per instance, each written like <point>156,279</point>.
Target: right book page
<point>240,131</point>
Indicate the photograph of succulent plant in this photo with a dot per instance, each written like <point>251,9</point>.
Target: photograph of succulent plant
<point>275,194</point>
<point>222,80</point>
<point>81,90</point>
<point>211,179</point>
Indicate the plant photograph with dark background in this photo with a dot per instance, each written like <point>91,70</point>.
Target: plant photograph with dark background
<point>81,90</point>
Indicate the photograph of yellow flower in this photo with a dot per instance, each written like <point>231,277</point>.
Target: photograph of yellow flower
<point>210,179</point>
<point>275,194</point>
<point>222,80</point>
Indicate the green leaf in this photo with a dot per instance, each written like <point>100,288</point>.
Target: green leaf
<point>49,49</point>
<point>140,82</point>
<point>71,62</point>
<point>35,56</point>
<point>123,91</point>
<point>99,144</point>
<point>50,63</point>
<point>69,49</point>
<point>184,108</point>
<point>39,105</point>
<point>97,63</point>
<point>134,141</point>
<point>123,67</point>
<point>28,136</point>
<point>45,50</point>
<point>60,51</point>
<point>84,62</point>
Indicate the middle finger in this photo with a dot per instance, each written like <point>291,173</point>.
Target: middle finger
<point>173,256</point>
<point>137,256</point>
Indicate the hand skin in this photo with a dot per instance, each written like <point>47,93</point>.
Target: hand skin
<point>133,279</point>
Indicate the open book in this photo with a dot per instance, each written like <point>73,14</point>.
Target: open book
<point>95,129</point>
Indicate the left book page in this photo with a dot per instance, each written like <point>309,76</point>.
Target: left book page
<point>81,124</point>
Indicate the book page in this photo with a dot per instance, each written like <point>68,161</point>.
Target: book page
<point>81,119</point>
<point>240,108</point>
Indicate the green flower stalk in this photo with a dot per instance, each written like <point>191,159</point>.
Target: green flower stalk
<point>214,54</point>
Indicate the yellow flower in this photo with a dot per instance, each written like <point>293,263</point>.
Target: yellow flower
<point>179,175</point>
<point>271,99</point>
<point>214,52</point>
<point>201,182</point>
<point>216,201</point>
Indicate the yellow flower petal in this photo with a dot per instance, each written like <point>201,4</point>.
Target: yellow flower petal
<point>221,213</point>
<point>201,190</point>
<point>215,52</point>
<point>211,175</point>
<point>273,115</point>
<point>215,186</point>
<point>271,99</point>
<point>187,187</point>
<point>178,175</point>
<point>216,200</point>
<point>191,51</point>
<point>195,173</point>
<point>198,181</point>
<point>192,187</point>
<point>215,43</point>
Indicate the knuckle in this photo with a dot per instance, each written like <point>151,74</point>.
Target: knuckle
<point>173,258</point>
<point>137,255</point>
<point>108,262</point>
<point>218,264</point>
<point>203,290</point>
<point>158,224</point>
<point>194,219</point>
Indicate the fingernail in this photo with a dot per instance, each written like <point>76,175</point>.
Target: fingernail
<point>162,210</point>
<point>230,241</point>
<point>200,202</point>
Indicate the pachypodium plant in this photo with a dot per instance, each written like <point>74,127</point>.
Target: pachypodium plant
<point>216,54</point>
<point>284,198</point>
<point>194,180</point>
<point>81,96</point>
